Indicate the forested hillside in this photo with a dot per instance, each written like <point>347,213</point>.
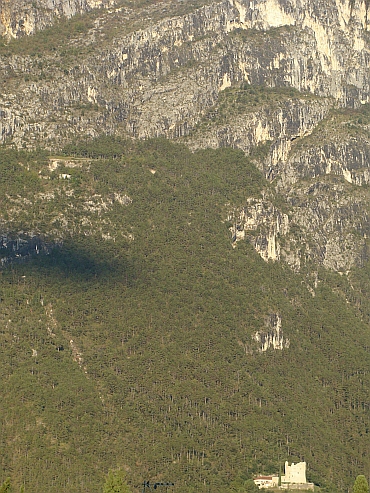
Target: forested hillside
<point>128,334</point>
<point>184,240</point>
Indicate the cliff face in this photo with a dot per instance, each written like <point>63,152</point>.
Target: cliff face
<point>327,224</point>
<point>216,76</point>
<point>21,17</point>
<point>146,266</point>
<point>161,80</point>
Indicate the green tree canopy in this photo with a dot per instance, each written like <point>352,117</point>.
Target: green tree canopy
<point>5,487</point>
<point>241,485</point>
<point>361,485</point>
<point>116,482</point>
<point>250,486</point>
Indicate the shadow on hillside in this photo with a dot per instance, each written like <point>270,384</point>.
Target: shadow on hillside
<point>85,258</point>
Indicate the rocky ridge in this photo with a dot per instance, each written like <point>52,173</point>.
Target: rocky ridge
<point>161,80</point>
<point>287,83</point>
<point>21,18</point>
<point>174,78</point>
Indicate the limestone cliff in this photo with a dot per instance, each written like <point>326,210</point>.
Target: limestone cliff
<point>146,72</point>
<point>163,79</point>
<point>21,17</point>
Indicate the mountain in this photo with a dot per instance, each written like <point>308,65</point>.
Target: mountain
<point>21,18</point>
<point>184,236</point>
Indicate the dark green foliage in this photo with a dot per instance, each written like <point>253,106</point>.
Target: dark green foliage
<point>250,486</point>
<point>243,485</point>
<point>105,147</point>
<point>19,171</point>
<point>137,351</point>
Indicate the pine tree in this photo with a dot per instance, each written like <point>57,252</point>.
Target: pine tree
<point>361,485</point>
<point>116,482</point>
<point>5,488</point>
<point>250,486</point>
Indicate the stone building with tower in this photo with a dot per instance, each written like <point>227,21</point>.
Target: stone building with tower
<point>294,473</point>
<point>294,478</point>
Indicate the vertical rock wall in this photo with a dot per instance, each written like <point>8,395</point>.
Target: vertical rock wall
<point>22,17</point>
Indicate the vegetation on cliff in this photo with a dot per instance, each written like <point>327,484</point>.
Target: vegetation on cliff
<point>131,344</point>
<point>142,335</point>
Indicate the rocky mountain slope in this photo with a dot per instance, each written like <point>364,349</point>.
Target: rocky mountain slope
<point>243,242</point>
<point>192,76</point>
<point>21,18</point>
<point>161,79</point>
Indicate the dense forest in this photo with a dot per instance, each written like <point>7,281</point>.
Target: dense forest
<point>128,325</point>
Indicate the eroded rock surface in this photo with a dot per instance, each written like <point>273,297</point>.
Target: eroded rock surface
<point>21,17</point>
<point>187,77</point>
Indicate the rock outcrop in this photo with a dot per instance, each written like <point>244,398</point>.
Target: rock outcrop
<point>162,80</point>
<point>191,77</point>
<point>21,17</point>
<point>271,337</point>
